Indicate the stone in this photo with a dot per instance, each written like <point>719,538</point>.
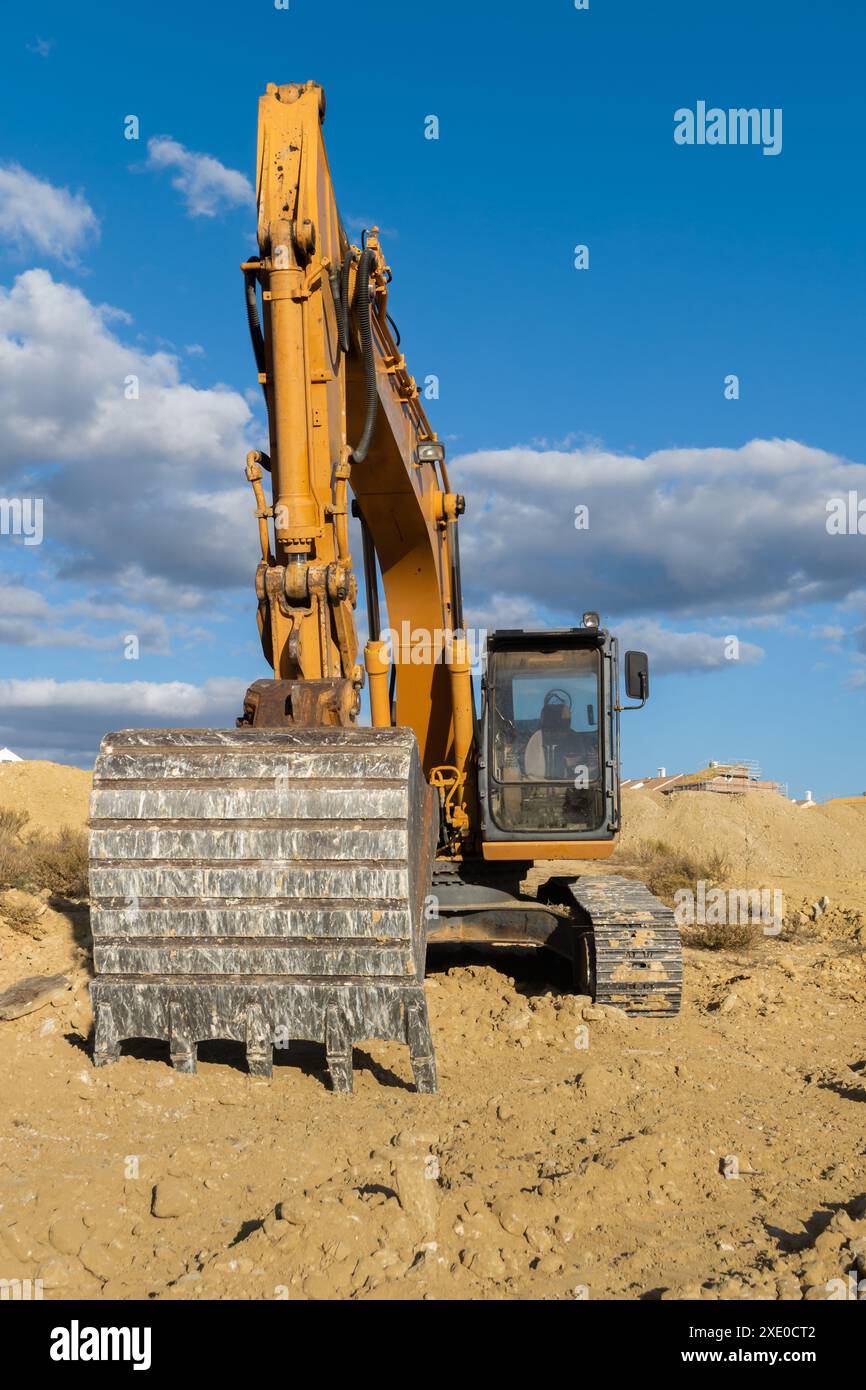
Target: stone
<point>104,1261</point>
<point>508,1213</point>
<point>67,1234</point>
<point>594,1080</point>
<point>415,1171</point>
<point>171,1198</point>
<point>31,993</point>
<point>21,906</point>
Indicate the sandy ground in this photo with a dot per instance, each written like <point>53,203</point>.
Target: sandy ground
<point>542,1169</point>
<point>52,795</point>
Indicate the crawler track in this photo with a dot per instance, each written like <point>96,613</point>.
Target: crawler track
<point>631,947</point>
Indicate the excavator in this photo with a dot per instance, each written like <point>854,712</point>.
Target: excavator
<point>282,880</point>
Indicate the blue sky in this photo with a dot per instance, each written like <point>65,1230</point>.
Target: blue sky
<point>558,387</point>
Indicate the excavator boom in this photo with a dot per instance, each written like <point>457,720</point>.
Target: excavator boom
<point>269,883</point>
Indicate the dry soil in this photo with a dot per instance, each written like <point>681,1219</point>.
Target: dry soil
<point>543,1168</point>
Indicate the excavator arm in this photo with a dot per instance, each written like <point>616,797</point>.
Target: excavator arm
<point>345,414</point>
<point>271,882</point>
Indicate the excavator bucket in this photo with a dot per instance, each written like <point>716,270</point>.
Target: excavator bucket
<point>262,885</point>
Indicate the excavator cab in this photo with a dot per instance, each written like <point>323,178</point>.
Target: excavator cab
<point>549,737</point>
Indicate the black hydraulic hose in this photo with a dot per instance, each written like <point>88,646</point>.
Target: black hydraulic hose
<point>371,583</point>
<point>344,300</point>
<point>456,578</point>
<point>257,337</point>
<point>341,308</point>
<point>365,330</point>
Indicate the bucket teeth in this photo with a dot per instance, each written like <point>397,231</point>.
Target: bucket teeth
<point>261,885</point>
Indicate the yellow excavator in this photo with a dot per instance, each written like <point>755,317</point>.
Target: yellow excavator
<point>282,880</point>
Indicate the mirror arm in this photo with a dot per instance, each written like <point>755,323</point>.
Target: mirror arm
<point>621,709</point>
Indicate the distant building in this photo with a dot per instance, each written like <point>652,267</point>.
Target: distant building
<point>727,778</point>
<point>7,756</point>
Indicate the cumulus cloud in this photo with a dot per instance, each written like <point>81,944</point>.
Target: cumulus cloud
<point>207,186</point>
<point>28,619</point>
<point>146,506</point>
<point>689,531</point>
<point>141,474</point>
<point>35,215</point>
<point>671,651</point>
<point>67,719</point>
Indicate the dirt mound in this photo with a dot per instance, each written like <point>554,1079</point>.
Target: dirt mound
<point>760,835</point>
<point>718,1155</point>
<point>52,794</point>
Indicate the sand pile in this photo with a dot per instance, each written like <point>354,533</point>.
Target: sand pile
<point>761,836</point>
<point>52,794</point>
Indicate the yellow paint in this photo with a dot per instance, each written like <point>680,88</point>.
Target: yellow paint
<point>305,582</point>
<point>548,849</point>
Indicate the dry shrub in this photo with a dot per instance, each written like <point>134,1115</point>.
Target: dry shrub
<point>665,870</point>
<point>723,936</point>
<point>21,919</point>
<point>57,862</point>
<point>12,822</point>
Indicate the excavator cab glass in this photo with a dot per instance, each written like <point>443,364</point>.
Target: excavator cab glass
<point>545,742</point>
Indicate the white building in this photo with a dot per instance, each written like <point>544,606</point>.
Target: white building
<point>7,756</point>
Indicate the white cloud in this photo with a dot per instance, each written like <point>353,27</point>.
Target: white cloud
<point>207,185</point>
<point>146,506</point>
<point>689,531</point>
<point>37,216</point>
<point>28,619</point>
<point>366,224</point>
<point>828,632</point>
<point>144,699</point>
<point>147,492</point>
<point>67,719</point>
<point>856,680</point>
<point>670,651</point>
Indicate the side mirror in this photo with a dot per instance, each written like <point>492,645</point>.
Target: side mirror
<point>637,675</point>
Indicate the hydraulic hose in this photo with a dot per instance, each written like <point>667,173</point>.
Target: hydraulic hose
<point>341,309</point>
<point>365,331</point>
<point>257,338</point>
<point>343,312</point>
